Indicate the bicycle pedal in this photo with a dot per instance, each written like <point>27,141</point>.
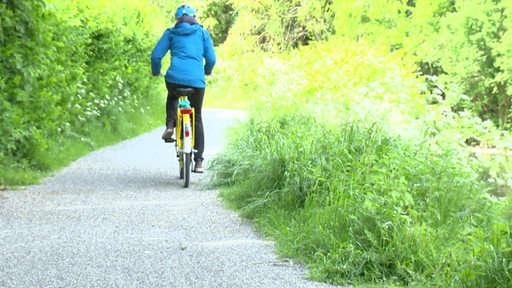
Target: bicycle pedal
<point>169,140</point>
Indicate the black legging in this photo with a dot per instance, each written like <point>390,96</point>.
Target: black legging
<point>196,101</point>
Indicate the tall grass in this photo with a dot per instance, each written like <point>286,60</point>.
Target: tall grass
<point>360,206</point>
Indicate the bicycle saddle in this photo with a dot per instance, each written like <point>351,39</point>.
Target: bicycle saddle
<point>184,91</point>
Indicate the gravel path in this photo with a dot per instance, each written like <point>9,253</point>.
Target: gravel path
<point>120,217</point>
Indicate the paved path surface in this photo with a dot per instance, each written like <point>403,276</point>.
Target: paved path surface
<point>120,217</point>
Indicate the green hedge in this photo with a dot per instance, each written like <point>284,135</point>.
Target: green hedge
<point>68,70</point>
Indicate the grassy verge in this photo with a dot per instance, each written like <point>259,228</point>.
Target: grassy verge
<point>60,152</point>
<point>359,206</point>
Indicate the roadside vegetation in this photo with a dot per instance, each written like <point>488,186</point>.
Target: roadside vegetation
<point>74,77</point>
<point>361,188</point>
<point>366,151</point>
<point>377,147</point>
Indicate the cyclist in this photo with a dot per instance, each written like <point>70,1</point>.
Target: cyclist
<point>192,57</point>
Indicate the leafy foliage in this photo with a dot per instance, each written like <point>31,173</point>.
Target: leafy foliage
<point>470,54</point>
<point>280,24</point>
<point>462,44</point>
<point>219,16</point>
<point>70,68</point>
<point>461,48</point>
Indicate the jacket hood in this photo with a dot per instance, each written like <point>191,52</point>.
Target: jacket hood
<point>185,29</point>
<point>186,25</point>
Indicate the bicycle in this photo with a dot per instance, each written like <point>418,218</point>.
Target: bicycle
<point>185,135</point>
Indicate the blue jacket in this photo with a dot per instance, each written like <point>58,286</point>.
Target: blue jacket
<point>192,55</point>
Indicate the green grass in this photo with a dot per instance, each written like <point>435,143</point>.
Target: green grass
<point>359,206</point>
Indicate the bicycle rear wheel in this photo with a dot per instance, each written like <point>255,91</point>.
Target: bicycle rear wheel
<point>187,167</point>
<point>182,165</point>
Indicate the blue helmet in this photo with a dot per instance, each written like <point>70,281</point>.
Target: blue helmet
<point>185,9</point>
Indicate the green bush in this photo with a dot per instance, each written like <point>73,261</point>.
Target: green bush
<point>71,69</point>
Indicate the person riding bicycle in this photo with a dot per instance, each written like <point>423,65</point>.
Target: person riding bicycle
<point>192,57</point>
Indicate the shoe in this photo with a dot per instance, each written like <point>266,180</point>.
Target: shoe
<point>198,168</point>
<point>167,136</point>
<point>169,130</point>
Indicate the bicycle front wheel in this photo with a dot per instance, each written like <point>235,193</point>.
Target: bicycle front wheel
<point>187,167</point>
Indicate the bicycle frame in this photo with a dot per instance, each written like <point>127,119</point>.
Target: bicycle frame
<point>185,137</point>
<point>185,134</point>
